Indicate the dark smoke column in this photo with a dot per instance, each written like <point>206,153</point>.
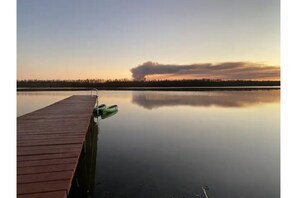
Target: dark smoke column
<point>224,71</point>
<point>151,68</point>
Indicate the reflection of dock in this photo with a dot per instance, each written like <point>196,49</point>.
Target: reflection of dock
<point>49,144</point>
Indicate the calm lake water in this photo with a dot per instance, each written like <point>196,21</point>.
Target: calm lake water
<point>171,143</point>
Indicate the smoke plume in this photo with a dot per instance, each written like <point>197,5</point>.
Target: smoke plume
<point>226,71</point>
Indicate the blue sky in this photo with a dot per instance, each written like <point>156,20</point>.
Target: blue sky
<point>71,39</point>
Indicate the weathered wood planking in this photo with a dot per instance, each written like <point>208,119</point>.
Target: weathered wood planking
<point>49,143</point>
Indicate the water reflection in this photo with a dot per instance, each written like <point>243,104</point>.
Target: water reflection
<point>152,100</point>
<point>227,140</point>
<point>84,179</point>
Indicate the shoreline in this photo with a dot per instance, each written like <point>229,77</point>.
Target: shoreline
<point>227,88</point>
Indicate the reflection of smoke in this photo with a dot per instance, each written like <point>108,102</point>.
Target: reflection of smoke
<point>151,100</point>
<point>227,70</point>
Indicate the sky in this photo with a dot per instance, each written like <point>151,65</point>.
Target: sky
<point>106,39</point>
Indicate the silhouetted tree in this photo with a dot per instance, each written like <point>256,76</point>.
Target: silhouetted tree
<point>99,83</point>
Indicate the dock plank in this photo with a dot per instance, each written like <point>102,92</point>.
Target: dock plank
<point>47,156</point>
<point>61,194</point>
<point>44,169</point>
<point>49,143</point>
<point>41,177</point>
<point>44,142</point>
<point>47,162</point>
<point>39,187</point>
<point>37,150</point>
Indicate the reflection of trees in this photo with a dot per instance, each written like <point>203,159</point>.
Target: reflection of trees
<point>151,100</point>
<point>84,178</point>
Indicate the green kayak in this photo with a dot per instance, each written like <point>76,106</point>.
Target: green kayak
<point>108,114</point>
<point>110,109</point>
<point>98,111</point>
<point>104,111</point>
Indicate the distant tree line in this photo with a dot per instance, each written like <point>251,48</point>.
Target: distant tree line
<point>98,83</point>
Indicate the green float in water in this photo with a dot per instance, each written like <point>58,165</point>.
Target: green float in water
<point>98,111</point>
<point>109,111</point>
<point>108,114</point>
<point>104,112</point>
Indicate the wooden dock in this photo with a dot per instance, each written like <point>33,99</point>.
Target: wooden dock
<point>49,144</point>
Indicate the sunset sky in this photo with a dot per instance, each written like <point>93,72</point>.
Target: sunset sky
<point>73,39</point>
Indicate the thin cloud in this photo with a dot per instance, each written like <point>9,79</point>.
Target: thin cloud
<point>226,70</point>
